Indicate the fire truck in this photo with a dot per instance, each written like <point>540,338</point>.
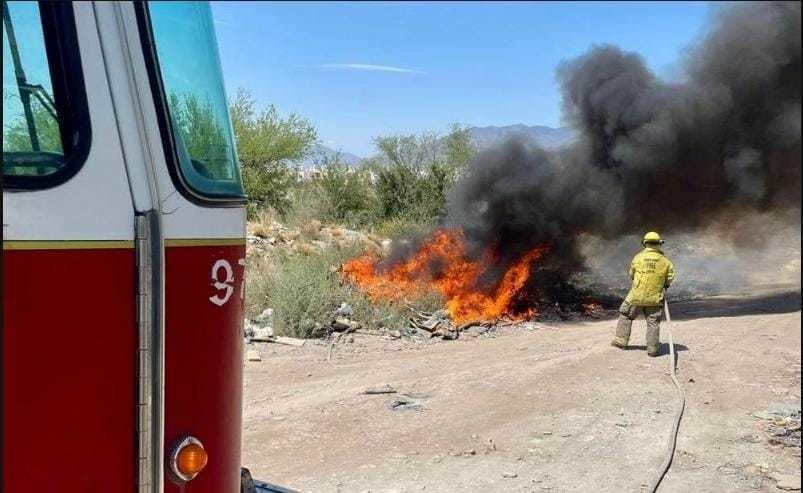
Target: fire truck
<point>123,252</point>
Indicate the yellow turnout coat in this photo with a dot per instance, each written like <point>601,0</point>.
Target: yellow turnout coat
<point>650,272</point>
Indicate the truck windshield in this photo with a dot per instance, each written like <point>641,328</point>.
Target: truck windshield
<point>189,65</point>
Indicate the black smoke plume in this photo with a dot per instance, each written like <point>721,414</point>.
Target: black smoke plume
<point>723,142</point>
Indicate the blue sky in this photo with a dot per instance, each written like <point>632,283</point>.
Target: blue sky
<point>31,45</point>
<point>358,70</point>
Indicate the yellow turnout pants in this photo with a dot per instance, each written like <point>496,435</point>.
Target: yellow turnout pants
<point>628,313</point>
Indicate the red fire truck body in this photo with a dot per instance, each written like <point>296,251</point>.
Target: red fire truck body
<point>123,252</point>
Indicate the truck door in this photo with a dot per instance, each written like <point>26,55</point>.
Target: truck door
<point>202,214</point>
<point>69,339</point>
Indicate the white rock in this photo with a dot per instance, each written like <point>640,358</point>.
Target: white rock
<point>253,355</point>
<point>263,332</point>
<point>265,318</point>
<point>345,310</point>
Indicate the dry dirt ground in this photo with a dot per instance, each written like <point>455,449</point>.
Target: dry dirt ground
<point>548,407</point>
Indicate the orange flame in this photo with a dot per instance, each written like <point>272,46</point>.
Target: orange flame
<point>456,278</point>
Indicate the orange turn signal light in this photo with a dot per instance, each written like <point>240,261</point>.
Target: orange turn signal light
<point>189,458</point>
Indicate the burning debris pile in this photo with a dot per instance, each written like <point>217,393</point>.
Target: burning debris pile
<point>718,147</point>
<point>439,324</point>
<point>442,263</point>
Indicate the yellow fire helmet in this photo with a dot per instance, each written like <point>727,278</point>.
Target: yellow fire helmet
<point>652,237</point>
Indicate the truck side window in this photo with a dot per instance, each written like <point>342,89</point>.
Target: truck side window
<point>192,87</point>
<point>43,141</point>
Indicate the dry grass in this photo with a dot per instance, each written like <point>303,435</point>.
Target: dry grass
<point>304,288</point>
<point>262,223</point>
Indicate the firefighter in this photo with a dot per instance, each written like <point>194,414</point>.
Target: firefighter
<point>651,273</point>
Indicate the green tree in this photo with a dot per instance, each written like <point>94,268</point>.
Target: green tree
<point>347,193</point>
<point>413,152</point>
<point>458,147</point>
<point>415,172</point>
<point>267,144</point>
<point>17,137</point>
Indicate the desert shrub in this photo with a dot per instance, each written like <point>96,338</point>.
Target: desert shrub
<point>304,291</point>
<point>267,144</point>
<point>258,277</point>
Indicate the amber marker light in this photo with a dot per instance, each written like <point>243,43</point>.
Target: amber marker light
<point>188,459</point>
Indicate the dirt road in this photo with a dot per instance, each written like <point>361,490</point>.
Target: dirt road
<point>545,408</point>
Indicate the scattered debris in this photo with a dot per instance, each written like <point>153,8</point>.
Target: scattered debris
<point>385,389</point>
<point>341,324</point>
<point>248,330</point>
<point>265,318</point>
<point>405,403</point>
<point>289,341</point>
<point>782,426</point>
<point>440,324</point>
<point>260,329</point>
<point>509,475</point>
<point>265,334</point>
<point>750,476</point>
<point>476,330</point>
<point>344,310</point>
<point>262,334</point>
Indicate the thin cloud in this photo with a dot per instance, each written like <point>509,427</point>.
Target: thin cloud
<point>371,68</point>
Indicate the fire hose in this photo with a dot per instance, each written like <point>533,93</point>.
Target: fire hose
<point>670,446</point>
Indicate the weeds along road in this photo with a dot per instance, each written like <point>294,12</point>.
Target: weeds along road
<point>550,409</point>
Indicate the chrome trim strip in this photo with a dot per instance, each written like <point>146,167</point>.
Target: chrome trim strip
<point>150,354</point>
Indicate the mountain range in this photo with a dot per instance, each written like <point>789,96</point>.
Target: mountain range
<point>321,153</point>
<point>482,137</point>
<point>547,137</point>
